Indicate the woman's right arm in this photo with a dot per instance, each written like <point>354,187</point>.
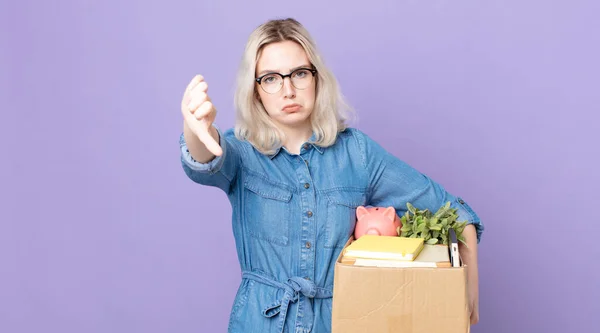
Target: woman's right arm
<point>208,156</point>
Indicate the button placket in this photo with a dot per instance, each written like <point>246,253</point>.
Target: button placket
<point>306,188</point>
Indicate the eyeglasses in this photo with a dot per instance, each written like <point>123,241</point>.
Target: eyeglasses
<point>301,78</point>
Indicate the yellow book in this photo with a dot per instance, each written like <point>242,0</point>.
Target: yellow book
<point>384,247</point>
<point>430,256</point>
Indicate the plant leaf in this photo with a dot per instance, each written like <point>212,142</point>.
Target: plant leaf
<point>432,241</point>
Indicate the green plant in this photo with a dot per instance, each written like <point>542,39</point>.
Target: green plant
<point>421,223</point>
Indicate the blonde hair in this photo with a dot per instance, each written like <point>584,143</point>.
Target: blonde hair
<point>330,113</point>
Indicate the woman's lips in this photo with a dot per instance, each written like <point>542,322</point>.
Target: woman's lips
<point>291,108</point>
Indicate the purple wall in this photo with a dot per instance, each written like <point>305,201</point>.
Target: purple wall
<point>100,230</point>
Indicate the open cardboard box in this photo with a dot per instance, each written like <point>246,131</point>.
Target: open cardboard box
<point>405,300</point>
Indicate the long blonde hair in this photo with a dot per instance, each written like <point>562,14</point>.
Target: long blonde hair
<point>330,113</point>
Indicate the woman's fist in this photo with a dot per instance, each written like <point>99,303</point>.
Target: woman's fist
<point>199,113</point>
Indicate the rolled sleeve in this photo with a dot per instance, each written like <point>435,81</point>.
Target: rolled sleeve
<point>211,167</point>
<point>221,170</point>
<point>466,213</point>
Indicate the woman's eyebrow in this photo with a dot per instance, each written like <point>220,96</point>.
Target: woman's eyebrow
<point>274,71</point>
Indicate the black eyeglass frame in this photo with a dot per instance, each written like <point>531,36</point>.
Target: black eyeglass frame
<point>283,76</point>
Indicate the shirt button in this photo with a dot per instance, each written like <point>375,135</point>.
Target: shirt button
<point>305,146</point>
<point>306,185</point>
<point>309,213</point>
<point>306,162</point>
<point>306,278</point>
<point>308,245</point>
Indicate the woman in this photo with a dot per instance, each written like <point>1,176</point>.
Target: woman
<point>295,174</point>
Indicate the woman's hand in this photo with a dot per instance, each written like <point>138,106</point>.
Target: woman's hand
<point>474,304</point>
<point>199,113</point>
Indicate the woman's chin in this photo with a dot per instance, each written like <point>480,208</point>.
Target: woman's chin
<point>295,119</point>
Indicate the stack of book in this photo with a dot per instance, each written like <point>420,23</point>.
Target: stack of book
<point>394,251</point>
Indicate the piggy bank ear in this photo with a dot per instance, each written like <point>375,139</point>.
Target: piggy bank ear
<point>390,213</point>
<point>361,211</point>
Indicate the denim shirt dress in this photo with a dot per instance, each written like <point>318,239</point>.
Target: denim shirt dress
<point>292,215</point>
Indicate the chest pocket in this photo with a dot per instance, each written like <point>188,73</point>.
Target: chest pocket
<point>341,215</point>
<point>267,210</point>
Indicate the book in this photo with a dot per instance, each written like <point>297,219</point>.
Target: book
<point>384,247</point>
<point>430,256</point>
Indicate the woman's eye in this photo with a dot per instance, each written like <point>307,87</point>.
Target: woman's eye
<point>270,79</point>
<point>301,74</point>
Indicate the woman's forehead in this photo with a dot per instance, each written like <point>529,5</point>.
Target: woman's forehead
<point>281,57</point>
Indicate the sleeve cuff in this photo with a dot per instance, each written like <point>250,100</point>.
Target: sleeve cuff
<point>466,213</point>
<point>210,167</point>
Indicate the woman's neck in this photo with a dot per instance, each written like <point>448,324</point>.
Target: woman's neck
<point>295,137</point>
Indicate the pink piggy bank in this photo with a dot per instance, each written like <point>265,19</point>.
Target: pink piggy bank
<point>378,221</point>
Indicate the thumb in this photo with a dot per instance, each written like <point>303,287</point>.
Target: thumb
<point>207,139</point>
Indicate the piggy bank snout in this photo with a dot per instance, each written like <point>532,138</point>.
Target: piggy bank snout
<point>373,232</point>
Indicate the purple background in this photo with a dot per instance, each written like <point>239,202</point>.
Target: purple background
<point>101,231</point>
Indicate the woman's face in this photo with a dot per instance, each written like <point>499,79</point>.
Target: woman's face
<point>289,102</point>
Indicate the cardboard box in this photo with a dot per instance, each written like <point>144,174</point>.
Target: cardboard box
<point>405,300</point>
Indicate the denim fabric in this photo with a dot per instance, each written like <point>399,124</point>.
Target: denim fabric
<point>292,215</point>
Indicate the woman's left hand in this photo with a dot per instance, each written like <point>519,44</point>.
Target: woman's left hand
<point>474,304</point>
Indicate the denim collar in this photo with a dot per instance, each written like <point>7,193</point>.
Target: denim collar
<point>307,144</point>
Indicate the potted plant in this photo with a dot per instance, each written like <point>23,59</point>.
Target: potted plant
<point>432,227</point>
